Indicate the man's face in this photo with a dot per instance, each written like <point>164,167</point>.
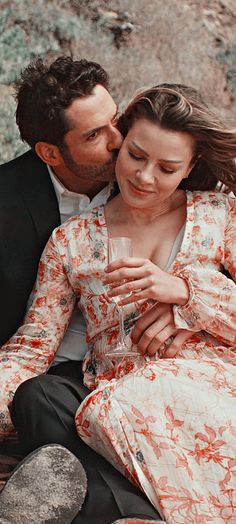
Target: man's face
<point>90,147</point>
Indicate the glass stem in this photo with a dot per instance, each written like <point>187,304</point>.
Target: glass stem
<point>121,324</point>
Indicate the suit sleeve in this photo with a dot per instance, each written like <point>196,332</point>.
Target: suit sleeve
<point>37,340</point>
<point>212,303</point>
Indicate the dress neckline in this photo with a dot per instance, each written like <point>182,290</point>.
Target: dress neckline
<point>172,262</point>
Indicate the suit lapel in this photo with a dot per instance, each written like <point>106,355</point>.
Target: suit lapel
<point>38,193</point>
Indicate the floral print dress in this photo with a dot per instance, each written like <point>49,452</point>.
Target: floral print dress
<point>167,424</point>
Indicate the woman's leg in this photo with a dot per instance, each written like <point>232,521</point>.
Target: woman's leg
<point>171,427</point>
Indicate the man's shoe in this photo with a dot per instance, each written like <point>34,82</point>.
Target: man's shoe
<point>137,521</point>
<point>133,520</point>
<point>48,486</point>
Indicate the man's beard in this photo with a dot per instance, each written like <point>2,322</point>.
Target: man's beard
<point>103,173</point>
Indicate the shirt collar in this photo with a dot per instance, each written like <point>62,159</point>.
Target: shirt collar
<point>83,201</point>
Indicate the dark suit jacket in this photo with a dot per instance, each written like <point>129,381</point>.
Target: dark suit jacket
<point>28,214</point>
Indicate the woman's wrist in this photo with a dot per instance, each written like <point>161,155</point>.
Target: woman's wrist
<point>182,292</point>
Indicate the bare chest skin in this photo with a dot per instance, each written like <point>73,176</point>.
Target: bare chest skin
<point>153,240</point>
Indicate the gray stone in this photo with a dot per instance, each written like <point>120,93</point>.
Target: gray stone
<point>47,487</point>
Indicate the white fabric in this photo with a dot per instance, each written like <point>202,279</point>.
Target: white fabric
<point>71,203</point>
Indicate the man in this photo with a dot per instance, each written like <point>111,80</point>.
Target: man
<point>67,116</point>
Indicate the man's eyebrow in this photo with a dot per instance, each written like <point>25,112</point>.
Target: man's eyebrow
<point>95,129</point>
<point>167,160</point>
<point>91,131</point>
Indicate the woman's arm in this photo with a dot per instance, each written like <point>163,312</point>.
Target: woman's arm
<point>212,303</point>
<point>36,341</point>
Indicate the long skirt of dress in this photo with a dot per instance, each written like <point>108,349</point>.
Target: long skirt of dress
<point>170,427</point>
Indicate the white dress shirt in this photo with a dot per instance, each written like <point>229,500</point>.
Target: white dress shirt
<point>73,345</point>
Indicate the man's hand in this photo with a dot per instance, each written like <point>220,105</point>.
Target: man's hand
<point>155,327</point>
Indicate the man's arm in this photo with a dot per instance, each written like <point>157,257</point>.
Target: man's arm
<point>28,215</point>
<point>155,328</point>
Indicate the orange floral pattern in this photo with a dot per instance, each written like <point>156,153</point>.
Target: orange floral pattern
<point>168,424</point>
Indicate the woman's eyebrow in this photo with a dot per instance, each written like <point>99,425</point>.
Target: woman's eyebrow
<point>167,160</point>
<point>138,147</point>
<point>171,161</point>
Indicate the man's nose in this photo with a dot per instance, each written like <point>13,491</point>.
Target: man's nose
<point>115,139</point>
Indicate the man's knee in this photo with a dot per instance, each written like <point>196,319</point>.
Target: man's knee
<point>32,413</point>
<point>28,392</point>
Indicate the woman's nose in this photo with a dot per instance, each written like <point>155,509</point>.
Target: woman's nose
<point>115,139</point>
<point>145,175</point>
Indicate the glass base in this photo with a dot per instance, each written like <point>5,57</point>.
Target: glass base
<point>122,351</point>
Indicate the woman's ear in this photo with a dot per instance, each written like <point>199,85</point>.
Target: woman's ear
<point>192,165</point>
<point>49,153</point>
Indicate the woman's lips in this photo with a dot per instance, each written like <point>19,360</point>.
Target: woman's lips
<point>139,190</point>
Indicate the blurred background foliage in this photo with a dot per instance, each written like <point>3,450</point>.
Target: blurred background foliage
<point>140,43</point>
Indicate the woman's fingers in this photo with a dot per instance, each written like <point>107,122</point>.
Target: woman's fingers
<point>141,275</point>
<point>131,269</point>
<point>126,288</point>
<point>125,274</point>
<point>129,262</point>
<point>134,297</point>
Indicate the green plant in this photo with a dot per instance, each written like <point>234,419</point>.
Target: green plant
<point>227,56</point>
<point>28,29</point>
<point>10,144</point>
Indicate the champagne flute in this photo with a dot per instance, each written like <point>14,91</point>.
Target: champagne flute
<point>120,247</point>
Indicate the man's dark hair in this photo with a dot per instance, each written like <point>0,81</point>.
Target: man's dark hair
<point>44,92</point>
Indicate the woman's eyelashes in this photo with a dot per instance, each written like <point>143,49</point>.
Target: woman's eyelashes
<point>134,156</point>
<point>166,170</point>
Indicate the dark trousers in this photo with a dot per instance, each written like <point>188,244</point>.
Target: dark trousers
<point>43,412</point>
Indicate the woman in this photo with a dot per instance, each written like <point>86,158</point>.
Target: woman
<point>170,425</point>
<point>167,423</point>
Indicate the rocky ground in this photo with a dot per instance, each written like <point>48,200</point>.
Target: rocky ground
<point>190,41</point>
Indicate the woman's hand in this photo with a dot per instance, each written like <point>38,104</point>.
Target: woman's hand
<point>155,328</point>
<point>140,279</point>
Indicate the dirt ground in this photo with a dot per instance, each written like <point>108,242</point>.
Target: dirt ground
<point>188,41</point>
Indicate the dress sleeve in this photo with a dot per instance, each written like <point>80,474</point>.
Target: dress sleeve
<point>212,303</point>
<point>38,339</point>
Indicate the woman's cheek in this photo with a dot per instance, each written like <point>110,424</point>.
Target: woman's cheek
<point>119,169</point>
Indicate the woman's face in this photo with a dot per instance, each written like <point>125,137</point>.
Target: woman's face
<point>152,162</point>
